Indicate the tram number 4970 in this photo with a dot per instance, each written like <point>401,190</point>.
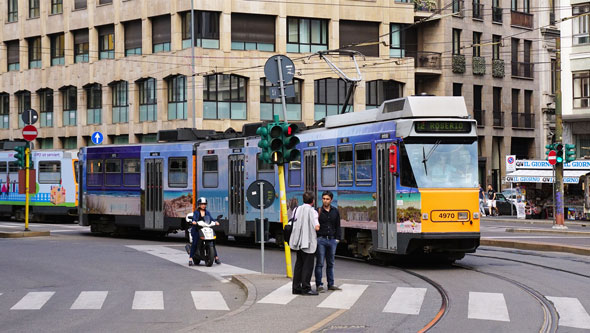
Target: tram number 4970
<point>446,216</point>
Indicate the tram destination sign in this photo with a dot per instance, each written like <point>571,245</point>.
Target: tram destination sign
<point>442,126</point>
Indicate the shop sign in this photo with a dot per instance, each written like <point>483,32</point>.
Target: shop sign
<point>528,179</point>
<point>541,164</point>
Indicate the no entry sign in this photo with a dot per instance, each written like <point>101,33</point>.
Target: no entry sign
<point>29,132</point>
<point>552,157</point>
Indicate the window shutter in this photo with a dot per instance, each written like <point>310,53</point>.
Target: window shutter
<point>253,28</point>
<point>355,32</point>
<point>133,34</point>
<point>13,54</point>
<point>106,30</point>
<point>80,4</point>
<point>81,36</point>
<point>161,29</point>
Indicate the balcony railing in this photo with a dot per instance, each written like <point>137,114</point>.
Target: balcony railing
<point>521,19</point>
<point>497,14</point>
<point>498,118</point>
<point>458,7</point>
<point>523,120</point>
<point>425,59</point>
<point>479,116</point>
<point>522,69</point>
<point>477,10</point>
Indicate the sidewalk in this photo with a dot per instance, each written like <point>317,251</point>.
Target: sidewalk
<point>18,232</point>
<point>512,219</point>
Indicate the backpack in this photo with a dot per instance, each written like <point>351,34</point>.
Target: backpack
<point>289,226</point>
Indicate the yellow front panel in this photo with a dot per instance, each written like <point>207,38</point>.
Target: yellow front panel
<point>445,205</point>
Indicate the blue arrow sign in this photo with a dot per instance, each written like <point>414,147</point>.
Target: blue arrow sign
<point>97,138</point>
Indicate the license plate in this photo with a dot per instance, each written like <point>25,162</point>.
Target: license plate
<point>449,215</point>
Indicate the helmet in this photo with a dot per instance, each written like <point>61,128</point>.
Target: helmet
<point>201,200</point>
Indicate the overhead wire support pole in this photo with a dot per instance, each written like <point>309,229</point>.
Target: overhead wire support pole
<point>559,217</point>
<point>27,166</point>
<point>193,64</point>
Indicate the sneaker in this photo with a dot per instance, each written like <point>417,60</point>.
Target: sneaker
<point>333,288</point>
<point>217,261</point>
<point>191,263</point>
<point>321,289</point>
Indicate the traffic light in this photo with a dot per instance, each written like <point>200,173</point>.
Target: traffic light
<point>290,142</point>
<point>570,153</point>
<point>264,144</point>
<point>549,148</point>
<point>20,156</point>
<point>275,132</point>
<point>559,151</point>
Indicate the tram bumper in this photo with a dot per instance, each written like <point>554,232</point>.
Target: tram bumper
<point>448,242</point>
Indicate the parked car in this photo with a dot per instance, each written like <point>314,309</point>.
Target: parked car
<point>505,206</point>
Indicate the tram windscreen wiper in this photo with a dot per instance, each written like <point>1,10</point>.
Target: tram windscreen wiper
<point>425,156</point>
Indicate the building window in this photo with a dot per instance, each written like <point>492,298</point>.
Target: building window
<point>397,45</point>
<point>70,143</point>
<point>46,107</point>
<point>93,104</point>
<point>120,139</point>
<point>476,44</point>
<point>161,33</point>
<point>515,106</point>
<point>457,87</point>
<point>132,38</point>
<point>528,99</point>
<point>106,42</point>
<point>224,97</point>
<point>80,46</point>
<point>176,97</point>
<point>13,55</point>
<point>329,97</point>
<point>306,35</point>
<point>456,41</point>
<point>526,7</point>
<point>57,49</point>
<point>496,44</point>
<point>34,52</point>
<point>12,10</point>
<point>105,2</point>
<point>581,29</point>
<point>23,98</point>
<point>56,7</point>
<point>206,30</point>
<point>80,4</point>
<point>458,6</point>
<point>70,105</point>
<point>270,107</point>
<point>477,95</point>
<point>553,75</point>
<point>357,32</point>
<point>148,104</point>
<point>177,172</point>
<point>379,91</point>
<point>120,102</point>
<point>253,32</point>
<point>210,171</point>
<point>4,110</point>
<point>33,8</point>
<point>581,89</point>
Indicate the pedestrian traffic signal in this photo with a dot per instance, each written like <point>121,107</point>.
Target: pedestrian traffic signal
<point>290,142</point>
<point>570,153</point>
<point>264,144</point>
<point>559,151</point>
<point>549,148</point>
<point>20,156</point>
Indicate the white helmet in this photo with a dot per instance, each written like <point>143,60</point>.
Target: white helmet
<point>202,200</point>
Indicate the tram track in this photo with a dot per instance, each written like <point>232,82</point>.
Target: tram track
<point>531,264</point>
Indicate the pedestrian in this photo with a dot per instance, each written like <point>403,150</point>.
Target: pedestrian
<point>328,239</point>
<point>482,200</point>
<point>492,201</point>
<point>304,240</point>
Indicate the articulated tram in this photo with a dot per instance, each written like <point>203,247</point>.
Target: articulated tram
<point>404,177</point>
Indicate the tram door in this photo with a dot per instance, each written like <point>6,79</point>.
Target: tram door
<point>154,191</point>
<point>386,200</point>
<point>310,165</point>
<point>236,190</point>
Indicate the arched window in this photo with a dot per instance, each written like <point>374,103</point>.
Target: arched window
<point>270,107</point>
<point>176,97</point>
<point>224,97</point>
<point>378,91</point>
<point>148,103</point>
<point>46,106</point>
<point>329,97</point>
<point>4,110</point>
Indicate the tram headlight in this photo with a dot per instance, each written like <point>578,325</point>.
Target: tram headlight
<point>425,216</point>
<point>476,216</point>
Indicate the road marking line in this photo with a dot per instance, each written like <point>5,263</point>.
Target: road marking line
<point>324,321</point>
<point>33,300</point>
<point>344,299</point>
<point>282,295</point>
<point>90,300</point>
<point>487,306</point>
<point>406,301</point>
<point>571,312</point>
<point>148,300</point>
<point>209,300</point>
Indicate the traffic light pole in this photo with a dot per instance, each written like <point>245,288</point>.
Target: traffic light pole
<point>559,218</point>
<point>27,153</point>
<point>284,217</point>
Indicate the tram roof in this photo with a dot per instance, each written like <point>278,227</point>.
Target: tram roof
<point>403,108</point>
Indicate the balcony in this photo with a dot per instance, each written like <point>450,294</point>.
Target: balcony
<point>479,65</point>
<point>498,118</point>
<point>477,10</point>
<point>522,70</point>
<point>428,6</point>
<point>458,8</point>
<point>426,60</point>
<point>497,15</point>
<point>479,116</point>
<point>458,63</point>
<point>498,68</point>
<point>523,120</point>
<point>520,19</point>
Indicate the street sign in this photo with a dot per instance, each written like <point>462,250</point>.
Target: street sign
<point>97,138</point>
<point>30,117</point>
<point>253,193</point>
<point>271,70</point>
<point>510,163</point>
<point>29,133</point>
<point>552,157</point>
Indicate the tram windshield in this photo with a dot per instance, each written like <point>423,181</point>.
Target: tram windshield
<point>442,162</point>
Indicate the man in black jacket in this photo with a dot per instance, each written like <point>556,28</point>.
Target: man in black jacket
<point>328,238</point>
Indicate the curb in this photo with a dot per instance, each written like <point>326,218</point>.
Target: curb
<point>533,221</point>
<point>545,231</point>
<point>20,234</point>
<point>534,246</point>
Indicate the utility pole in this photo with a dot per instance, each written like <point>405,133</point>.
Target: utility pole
<point>193,64</point>
<point>558,138</point>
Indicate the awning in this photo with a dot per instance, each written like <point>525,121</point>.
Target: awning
<point>544,176</point>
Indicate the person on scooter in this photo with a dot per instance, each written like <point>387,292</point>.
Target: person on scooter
<point>200,215</point>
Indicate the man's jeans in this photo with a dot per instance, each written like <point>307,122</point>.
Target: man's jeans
<point>326,249</point>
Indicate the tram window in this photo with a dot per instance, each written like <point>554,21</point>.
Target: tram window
<point>406,174</point>
<point>265,171</point>
<point>177,172</point>
<point>49,172</point>
<point>112,172</point>
<point>295,173</point>
<point>328,166</point>
<point>94,172</point>
<point>76,174</point>
<point>131,172</point>
<point>345,165</point>
<point>363,163</point>
<point>210,171</point>
<point>3,167</point>
<point>13,167</point>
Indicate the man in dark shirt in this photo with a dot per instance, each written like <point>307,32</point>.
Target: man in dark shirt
<point>328,238</point>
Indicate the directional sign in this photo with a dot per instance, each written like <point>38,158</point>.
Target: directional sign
<point>552,157</point>
<point>253,194</point>
<point>29,132</point>
<point>271,69</point>
<point>97,138</point>
<point>30,117</point>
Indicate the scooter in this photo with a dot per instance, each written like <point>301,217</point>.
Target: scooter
<point>206,237</point>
